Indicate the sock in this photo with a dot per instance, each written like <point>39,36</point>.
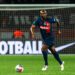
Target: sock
<point>56,55</point>
<point>45,56</point>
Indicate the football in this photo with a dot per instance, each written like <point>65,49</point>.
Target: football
<point>19,68</point>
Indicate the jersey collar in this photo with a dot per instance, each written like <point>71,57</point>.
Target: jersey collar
<point>43,20</point>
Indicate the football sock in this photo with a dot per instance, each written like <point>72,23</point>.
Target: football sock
<point>56,55</point>
<point>45,56</point>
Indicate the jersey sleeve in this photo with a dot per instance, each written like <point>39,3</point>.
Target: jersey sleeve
<point>53,20</point>
<point>36,22</point>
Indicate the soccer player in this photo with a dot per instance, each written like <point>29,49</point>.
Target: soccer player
<point>45,25</point>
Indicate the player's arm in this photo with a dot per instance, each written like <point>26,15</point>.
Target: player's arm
<point>32,29</point>
<point>58,26</point>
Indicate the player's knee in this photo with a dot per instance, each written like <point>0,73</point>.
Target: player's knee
<point>42,49</point>
<point>52,49</point>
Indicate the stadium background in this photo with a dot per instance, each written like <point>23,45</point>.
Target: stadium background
<point>11,20</point>
<point>20,17</point>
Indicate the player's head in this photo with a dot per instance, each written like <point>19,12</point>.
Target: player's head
<point>43,13</point>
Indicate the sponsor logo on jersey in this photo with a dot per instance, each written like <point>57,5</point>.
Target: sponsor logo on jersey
<point>44,27</point>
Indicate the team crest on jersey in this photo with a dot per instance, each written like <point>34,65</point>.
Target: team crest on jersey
<point>46,23</point>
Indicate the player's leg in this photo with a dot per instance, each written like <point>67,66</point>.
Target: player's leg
<point>44,52</point>
<point>45,56</point>
<point>56,55</point>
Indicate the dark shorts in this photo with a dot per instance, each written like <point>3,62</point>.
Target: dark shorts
<point>50,41</point>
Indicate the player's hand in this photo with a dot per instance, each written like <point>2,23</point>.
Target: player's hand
<point>34,37</point>
<point>59,32</point>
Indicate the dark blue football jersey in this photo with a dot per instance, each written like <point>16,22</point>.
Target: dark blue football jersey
<point>45,26</point>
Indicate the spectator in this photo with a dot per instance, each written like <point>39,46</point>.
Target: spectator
<point>18,34</point>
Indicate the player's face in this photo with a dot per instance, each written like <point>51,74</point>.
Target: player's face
<point>43,15</point>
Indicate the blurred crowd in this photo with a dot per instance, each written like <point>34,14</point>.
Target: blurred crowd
<point>34,1</point>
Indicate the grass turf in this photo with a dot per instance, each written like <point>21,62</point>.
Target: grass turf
<point>33,63</point>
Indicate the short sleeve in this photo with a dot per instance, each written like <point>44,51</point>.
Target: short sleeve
<point>53,20</point>
<point>36,22</point>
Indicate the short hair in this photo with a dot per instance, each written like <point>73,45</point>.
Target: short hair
<point>43,11</point>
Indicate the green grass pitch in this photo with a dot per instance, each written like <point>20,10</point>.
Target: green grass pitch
<point>33,63</point>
